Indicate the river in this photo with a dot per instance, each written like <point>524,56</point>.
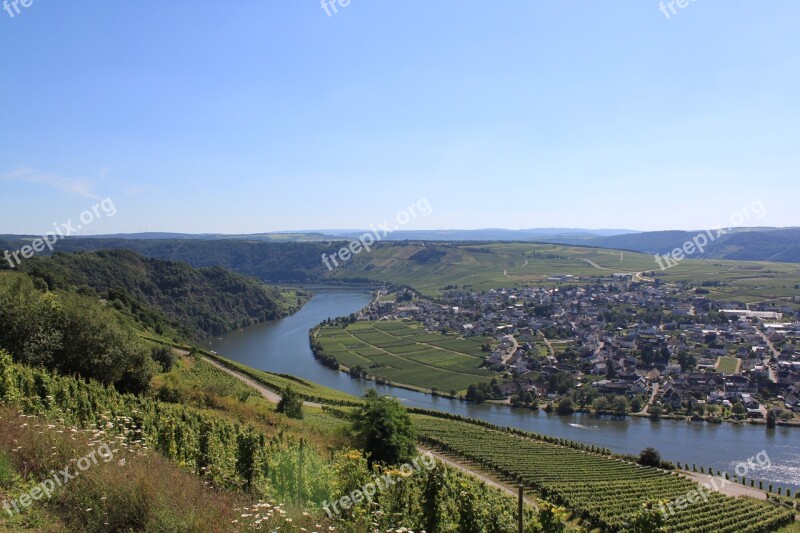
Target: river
<point>282,346</point>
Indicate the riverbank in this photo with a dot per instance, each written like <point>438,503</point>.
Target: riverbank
<point>283,348</point>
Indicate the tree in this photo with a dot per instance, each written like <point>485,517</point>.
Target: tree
<point>620,406</point>
<point>291,404</point>
<point>738,409</point>
<point>565,406</point>
<point>686,361</point>
<point>600,405</point>
<point>655,412</point>
<point>650,457</point>
<point>636,404</point>
<point>384,430</point>
<point>771,421</point>
<point>165,356</point>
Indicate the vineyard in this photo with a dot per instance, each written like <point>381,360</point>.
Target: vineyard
<point>402,352</point>
<point>603,492</point>
<point>243,460</point>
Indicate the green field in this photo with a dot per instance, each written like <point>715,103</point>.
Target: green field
<point>489,266</point>
<point>404,353</point>
<point>728,365</point>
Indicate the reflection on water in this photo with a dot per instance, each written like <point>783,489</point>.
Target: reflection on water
<point>283,347</point>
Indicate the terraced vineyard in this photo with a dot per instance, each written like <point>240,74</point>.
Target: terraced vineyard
<point>602,491</point>
<point>404,353</point>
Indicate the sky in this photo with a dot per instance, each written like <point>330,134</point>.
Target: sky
<point>253,116</point>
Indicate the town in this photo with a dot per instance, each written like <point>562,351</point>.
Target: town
<point>620,346</point>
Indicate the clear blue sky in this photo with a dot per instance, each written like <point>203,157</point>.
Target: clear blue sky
<point>265,115</point>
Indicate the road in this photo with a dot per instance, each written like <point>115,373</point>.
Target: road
<point>772,377</point>
<point>275,398</point>
<point>646,408</point>
<point>510,352</point>
<point>265,392</point>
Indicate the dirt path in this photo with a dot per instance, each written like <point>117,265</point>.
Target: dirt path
<point>265,392</point>
<point>637,276</point>
<point>595,265</point>
<point>489,480</point>
<point>728,488</point>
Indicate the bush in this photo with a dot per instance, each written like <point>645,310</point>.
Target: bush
<point>565,406</point>
<point>165,356</point>
<point>650,457</point>
<point>291,403</point>
<point>384,430</point>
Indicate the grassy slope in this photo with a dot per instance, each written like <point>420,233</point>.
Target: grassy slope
<point>456,432</point>
<point>496,265</point>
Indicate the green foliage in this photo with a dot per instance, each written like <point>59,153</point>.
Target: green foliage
<point>164,356</point>
<point>648,519</point>
<point>650,457</point>
<point>620,406</point>
<point>565,406</point>
<point>384,430</point>
<point>291,404</point>
<point>602,492</point>
<point>229,455</point>
<point>71,334</point>
<point>164,295</point>
<point>8,390</point>
<point>551,518</point>
<point>397,351</point>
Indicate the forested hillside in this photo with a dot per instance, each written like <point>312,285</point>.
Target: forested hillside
<point>271,262</point>
<point>165,295</point>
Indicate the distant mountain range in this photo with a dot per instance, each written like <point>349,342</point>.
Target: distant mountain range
<point>749,244</point>
<point>746,244</point>
<point>488,234</point>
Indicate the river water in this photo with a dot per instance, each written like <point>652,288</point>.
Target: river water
<point>282,346</point>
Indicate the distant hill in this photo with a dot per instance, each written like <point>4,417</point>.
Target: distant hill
<point>271,262</point>
<point>488,234</point>
<point>164,294</point>
<point>745,244</point>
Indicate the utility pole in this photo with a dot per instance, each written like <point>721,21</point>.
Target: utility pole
<point>519,510</point>
<point>300,470</point>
